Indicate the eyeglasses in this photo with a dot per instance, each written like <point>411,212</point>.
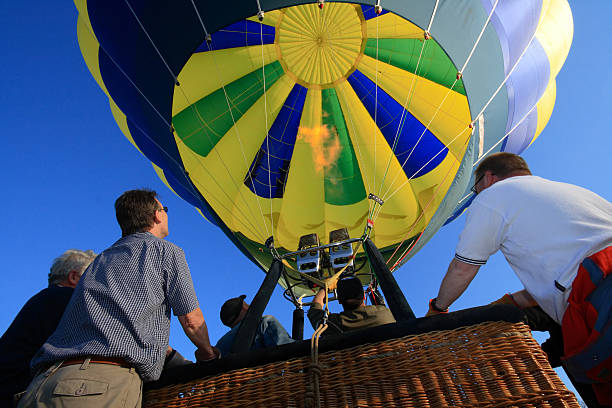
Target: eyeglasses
<point>473,189</point>
<point>164,209</point>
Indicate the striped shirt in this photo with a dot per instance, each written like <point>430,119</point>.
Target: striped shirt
<point>121,306</point>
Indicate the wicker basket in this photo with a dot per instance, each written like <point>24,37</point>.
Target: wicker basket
<point>493,364</point>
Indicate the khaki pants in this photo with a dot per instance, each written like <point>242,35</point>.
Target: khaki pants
<point>84,385</point>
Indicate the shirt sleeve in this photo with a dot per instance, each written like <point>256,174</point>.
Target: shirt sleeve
<point>181,294</point>
<point>315,314</point>
<point>482,235</point>
<point>226,341</point>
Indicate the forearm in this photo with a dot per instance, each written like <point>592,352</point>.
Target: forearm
<point>455,282</point>
<point>319,298</point>
<point>195,328</point>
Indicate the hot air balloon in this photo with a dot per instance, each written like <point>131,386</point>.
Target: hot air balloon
<point>305,129</point>
<point>279,120</point>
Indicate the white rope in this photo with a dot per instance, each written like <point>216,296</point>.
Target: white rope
<point>425,165</point>
<point>422,215</point>
<point>514,127</point>
<point>263,74</point>
<point>497,143</point>
<point>237,133</point>
<point>465,197</point>
<point>408,100</point>
<point>508,133</point>
<point>427,205</point>
<point>433,13</point>
<point>152,42</point>
<point>365,178</point>
<point>507,76</point>
<point>195,109</point>
<point>260,13</point>
<point>253,228</point>
<point>479,37</point>
<point>492,147</point>
<point>386,196</point>
<point>406,105</point>
<point>373,207</point>
<point>192,192</point>
<point>206,35</point>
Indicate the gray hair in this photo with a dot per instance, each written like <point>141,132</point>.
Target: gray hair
<point>71,260</point>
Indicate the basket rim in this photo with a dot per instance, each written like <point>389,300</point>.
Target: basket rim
<point>450,321</point>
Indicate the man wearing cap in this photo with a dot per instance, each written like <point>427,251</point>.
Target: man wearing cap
<point>114,332</point>
<point>270,332</point>
<point>356,314</point>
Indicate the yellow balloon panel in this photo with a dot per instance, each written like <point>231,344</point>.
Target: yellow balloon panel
<point>392,26</point>
<point>207,72</point>
<point>444,112</point>
<point>555,33</point>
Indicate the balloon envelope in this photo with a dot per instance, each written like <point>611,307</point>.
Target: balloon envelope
<point>282,126</point>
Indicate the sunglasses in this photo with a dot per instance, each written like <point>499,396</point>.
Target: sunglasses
<point>473,189</point>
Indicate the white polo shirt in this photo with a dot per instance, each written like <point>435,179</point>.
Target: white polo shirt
<point>544,229</point>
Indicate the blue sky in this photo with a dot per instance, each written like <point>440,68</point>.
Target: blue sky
<point>65,162</point>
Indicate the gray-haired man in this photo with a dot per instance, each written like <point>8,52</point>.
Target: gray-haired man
<point>36,321</point>
<point>114,333</point>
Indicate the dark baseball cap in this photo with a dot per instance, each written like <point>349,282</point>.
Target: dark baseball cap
<point>349,288</point>
<point>231,309</point>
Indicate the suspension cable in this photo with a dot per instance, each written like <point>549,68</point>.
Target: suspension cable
<point>508,133</point>
<point>458,77</point>
<point>199,116</point>
<point>246,221</point>
<point>436,193</point>
<point>482,157</point>
<point>192,192</point>
<point>373,207</point>
<point>409,95</point>
<point>260,15</point>
<point>361,156</point>
<point>235,127</point>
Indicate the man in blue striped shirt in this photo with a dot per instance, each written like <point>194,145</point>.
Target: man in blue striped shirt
<point>114,332</point>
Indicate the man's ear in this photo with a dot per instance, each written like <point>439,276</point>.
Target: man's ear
<point>495,178</point>
<point>73,278</point>
<point>156,218</point>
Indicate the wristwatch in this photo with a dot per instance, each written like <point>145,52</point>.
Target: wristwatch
<point>433,305</point>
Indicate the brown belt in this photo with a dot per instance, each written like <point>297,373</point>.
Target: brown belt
<point>117,361</point>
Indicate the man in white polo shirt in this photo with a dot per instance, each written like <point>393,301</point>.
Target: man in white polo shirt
<point>557,238</point>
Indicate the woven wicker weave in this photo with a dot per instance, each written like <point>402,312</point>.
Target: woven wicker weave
<point>494,364</point>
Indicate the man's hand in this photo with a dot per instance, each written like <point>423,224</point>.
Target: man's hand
<point>319,298</point>
<point>332,283</point>
<point>174,359</point>
<point>203,354</point>
<point>432,309</point>
<point>521,299</point>
<point>507,299</point>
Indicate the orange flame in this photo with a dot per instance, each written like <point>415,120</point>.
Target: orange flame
<point>325,145</point>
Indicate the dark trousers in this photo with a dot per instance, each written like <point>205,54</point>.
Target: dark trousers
<point>538,320</point>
